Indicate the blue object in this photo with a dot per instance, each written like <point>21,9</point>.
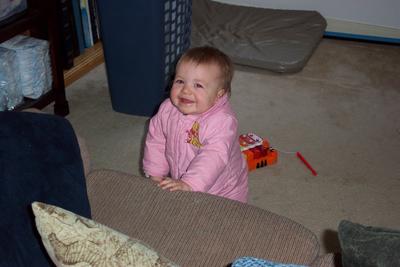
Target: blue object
<point>76,8</point>
<point>87,32</point>
<point>142,41</point>
<point>256,262</point>
<point>39,161</point>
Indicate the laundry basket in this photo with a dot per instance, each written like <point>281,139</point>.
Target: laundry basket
<point>142,41</point>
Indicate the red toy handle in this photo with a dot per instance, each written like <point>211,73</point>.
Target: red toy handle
<point>306,163</point>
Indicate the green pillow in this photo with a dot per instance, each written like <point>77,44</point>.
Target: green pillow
<point>368,246</point>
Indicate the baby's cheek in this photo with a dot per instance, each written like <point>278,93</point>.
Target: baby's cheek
<point>174,92</point>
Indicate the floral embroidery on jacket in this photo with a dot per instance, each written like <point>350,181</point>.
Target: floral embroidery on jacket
<point>193,135</point>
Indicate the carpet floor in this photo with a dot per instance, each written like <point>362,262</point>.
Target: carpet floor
<point>342,112</point>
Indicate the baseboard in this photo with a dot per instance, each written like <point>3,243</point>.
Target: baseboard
<point>355,30</point>
<point>84,63</point>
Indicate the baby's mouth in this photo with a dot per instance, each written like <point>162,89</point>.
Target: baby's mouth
<point>185,101</point>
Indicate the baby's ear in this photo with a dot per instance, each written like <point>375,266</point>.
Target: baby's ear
<point>220,93</point>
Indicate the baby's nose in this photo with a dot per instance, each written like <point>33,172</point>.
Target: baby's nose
<point>186,89</point>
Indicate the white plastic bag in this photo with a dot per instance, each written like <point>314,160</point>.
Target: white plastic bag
<point>33,62</point>
<point>10,89</point>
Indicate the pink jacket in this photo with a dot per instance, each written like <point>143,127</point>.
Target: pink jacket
<point>203,150</point>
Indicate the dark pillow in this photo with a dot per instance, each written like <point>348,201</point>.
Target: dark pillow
<point>367,246</point>
<point>39,161</point>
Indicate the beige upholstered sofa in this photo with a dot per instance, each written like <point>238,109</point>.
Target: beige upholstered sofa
<point>196,229</point>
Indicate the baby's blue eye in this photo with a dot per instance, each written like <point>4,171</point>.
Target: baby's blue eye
<point>178,81</point>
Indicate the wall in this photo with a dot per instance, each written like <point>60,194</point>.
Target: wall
<point>362,17</point>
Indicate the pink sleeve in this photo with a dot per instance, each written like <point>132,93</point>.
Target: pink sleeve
<point>154,161</point>
<point>213,157</point>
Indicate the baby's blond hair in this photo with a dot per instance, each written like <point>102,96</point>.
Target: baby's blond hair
<point>211,55</point>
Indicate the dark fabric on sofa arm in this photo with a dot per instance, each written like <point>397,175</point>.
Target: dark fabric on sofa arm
<point>39,161</point>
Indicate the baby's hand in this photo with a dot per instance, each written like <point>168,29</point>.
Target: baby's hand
<point>156,179</point>
<point>174,185</point>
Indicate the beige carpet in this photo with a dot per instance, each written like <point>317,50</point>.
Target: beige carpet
<point>342,112</point>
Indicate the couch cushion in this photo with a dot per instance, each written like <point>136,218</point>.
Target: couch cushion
<point>39,161</point>
<point>71,239</point>
<point>274,39</point>
<point>368,246</point>
<point>193,228</point>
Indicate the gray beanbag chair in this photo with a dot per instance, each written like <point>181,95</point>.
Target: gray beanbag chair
<point>277,40</point>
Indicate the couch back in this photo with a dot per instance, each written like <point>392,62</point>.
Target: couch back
<point>196,229</point>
